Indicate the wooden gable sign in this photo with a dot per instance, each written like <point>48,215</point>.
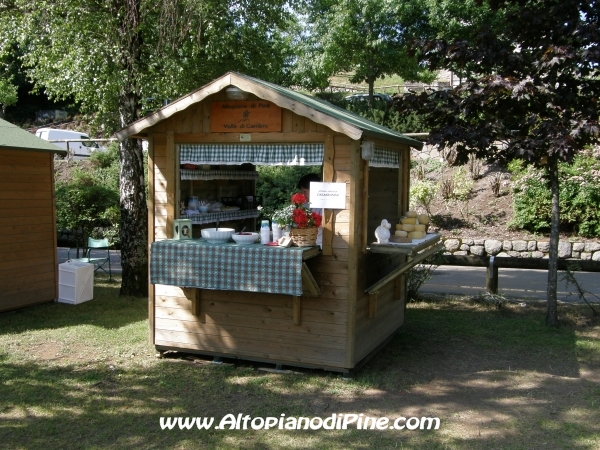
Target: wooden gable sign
<point>244,116</point>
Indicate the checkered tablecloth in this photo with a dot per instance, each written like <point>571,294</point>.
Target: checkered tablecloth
<point>232,267</point>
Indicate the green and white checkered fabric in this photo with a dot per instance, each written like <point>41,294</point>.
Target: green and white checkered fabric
<point>230,267</point>
<point>197,174</point>
<point>384,158</point>
<point>257,154</point>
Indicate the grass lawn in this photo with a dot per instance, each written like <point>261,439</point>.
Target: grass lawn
<point>86,377</point>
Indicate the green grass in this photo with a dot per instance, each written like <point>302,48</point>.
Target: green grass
<point>86,377</point>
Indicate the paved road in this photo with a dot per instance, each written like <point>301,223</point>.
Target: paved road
<point>457,280</point>
<point>514,283</point>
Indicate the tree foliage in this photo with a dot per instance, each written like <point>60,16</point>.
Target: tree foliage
<point>112,56</point>
<point>530,87</point>
<point>366,38</point>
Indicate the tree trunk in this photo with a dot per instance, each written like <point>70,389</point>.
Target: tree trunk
<point>551,311</point>
<point>134,210</point>
<point>134,221</point>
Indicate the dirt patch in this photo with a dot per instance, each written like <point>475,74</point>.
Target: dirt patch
<point>483,215</point>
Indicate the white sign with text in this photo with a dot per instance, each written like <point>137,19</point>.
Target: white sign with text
<point>328,195</point>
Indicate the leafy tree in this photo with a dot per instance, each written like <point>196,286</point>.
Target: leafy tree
<point>531,83</point>
<point>8,95</point>
<point>111,55</point>
<point>365,37</point>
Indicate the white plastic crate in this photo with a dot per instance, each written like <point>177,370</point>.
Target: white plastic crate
<point>75,282</point>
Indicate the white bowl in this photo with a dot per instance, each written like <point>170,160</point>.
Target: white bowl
<point>214,236</point>
<point>245,239</point>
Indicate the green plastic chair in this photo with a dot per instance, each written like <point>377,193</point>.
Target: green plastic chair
<point>98,262</point>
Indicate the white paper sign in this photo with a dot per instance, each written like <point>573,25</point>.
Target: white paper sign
<point>328,195</point>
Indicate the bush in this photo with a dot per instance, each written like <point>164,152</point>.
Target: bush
<point>422,193</point>
<point>88,202</point>
<point>579,197</point>
<point>86,207</point>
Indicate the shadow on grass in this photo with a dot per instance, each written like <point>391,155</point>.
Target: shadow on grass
<point>106,310</point>
<point>494,378</point>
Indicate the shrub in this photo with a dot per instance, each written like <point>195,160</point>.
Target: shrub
<point>86,207</point>
<point>88,201</point>
<point>579,197</point>
<point>422,193</point>
<point>418,275</point>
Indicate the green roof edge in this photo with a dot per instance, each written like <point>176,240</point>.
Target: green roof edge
<point>13,137</point>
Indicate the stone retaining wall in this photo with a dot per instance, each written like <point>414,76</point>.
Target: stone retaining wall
<point>521,249</point>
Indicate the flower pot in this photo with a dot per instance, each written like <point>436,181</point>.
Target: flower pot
<point>304,237</point>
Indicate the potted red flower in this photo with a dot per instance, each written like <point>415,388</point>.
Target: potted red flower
<point>305,223</point>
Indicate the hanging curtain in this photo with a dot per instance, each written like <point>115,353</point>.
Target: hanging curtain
<point>384,158</point>
<point>257,154</point>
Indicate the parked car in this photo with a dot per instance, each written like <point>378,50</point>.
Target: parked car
<point>79,150</point>
<point>365,97</point>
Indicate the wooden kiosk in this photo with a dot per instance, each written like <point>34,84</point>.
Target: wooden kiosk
<point>28,259</point>
<point>352,296</point>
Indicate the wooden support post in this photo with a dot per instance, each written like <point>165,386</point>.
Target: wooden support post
<point>296,310</point>
<point>151,232</point>
<point>328,175</point>
<point>194,295</point>
<point>491,280</point>
<point>372,304</point>
<point>399,287</point>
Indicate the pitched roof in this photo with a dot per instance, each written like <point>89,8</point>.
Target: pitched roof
<point>11,136</point>
<point>319,111</point>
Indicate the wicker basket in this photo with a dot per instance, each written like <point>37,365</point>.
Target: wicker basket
<point>304,237</point>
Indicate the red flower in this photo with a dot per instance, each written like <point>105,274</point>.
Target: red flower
<point>298,199</point>
<point>316,217</point>
<point>299,218</point>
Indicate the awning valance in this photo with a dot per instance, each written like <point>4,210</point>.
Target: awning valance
<point>384,158</point>
<point>257,154</point>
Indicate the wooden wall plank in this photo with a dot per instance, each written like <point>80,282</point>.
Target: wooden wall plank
<point>242,332</point>
<point>14,301</point>
<point>260,356</point>
<point>257,323</point>
<point>274,349</point>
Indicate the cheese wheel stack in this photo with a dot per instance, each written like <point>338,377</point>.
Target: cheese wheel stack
<point>412,225</point>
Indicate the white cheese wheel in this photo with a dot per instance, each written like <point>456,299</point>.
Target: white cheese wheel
<point>409,220</point>
<point>401,233</point>
<point>411,214</point>
<point>419,227</point>
<point>416,234</point>
<point>423,218</point>
<point>408,227</point>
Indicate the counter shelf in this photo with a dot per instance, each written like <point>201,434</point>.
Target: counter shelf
<point>415,252</point>
<point>230,267</point>
<point>194,263</point>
